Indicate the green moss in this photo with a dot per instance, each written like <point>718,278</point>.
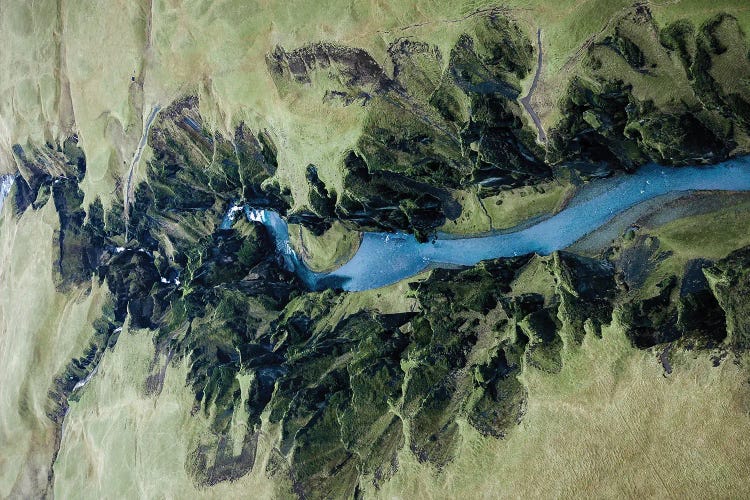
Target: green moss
<point>729,281</point>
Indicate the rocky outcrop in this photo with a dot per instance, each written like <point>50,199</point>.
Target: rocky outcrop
<point>606,125</point>
<point>729,280</point>
<point>38,166</point>
<point>431,127</point>
<point>55,171</point>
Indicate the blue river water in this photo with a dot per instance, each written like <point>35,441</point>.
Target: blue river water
<point>385,258</point>
<point>6,182</point>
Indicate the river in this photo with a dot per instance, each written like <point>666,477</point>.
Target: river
<point>385,258</point>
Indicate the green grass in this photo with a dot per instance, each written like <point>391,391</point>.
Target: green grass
<point>712,235</point>
<point>666,84</point>
<point>609,425</point>
<point>328,251</point>
<point>121,443</point>
<point>41,330</point>
<point>507,209</point>
<point>698,11</point>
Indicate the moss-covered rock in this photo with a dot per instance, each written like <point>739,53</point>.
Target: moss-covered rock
<point>433,126</point>
<point>729,280</point>
<point>606,124</point>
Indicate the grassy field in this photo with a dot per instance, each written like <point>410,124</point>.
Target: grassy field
<point>698,11</point>
<point>507,209</point>
<point>118,442</point>
<point>327,251</point>
<point>710,236</point>
<point>41,330</point>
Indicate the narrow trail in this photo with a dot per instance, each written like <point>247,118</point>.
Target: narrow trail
<point>490,11</point>
<point>136,159</point>
<point>526,101</point>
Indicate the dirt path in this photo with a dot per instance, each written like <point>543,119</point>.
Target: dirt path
<point>526,101</point>
<point>136,159</point>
